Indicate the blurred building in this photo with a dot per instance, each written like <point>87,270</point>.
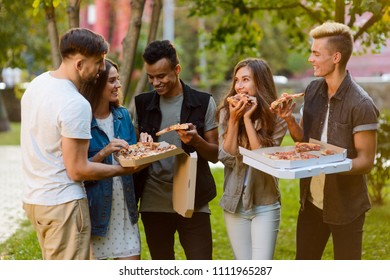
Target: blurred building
<point>111,18</point>
<point>369,64</point>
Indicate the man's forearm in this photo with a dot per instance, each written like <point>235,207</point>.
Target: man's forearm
<point>295,129</point>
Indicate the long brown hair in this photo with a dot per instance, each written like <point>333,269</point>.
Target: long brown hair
<point>93,91</point>
<point>263,118</point>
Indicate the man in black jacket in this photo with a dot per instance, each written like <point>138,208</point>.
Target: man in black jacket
<point>173,102</point>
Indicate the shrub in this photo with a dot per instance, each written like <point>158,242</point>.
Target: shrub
<point>380,173</point>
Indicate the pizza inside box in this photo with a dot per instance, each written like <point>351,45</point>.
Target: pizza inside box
<point>184,179</point>
<point>316,164</point>
<point>145,159</point>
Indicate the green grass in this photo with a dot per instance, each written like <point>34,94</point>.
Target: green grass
<point>11,137</point>
<point>23,244</point>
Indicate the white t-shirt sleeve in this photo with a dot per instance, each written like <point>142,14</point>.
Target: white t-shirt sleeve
<point>75,120</point>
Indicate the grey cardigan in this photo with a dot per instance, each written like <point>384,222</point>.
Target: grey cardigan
<point>261,188</point>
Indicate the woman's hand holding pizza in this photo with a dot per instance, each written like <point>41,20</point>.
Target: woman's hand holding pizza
<point>114,146</point>
<point>241,107</point>
<point>249,110</point>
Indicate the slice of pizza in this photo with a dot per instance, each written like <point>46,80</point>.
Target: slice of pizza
<point>174,127</point>
<point>284,98</point>
<point>234,99</point>
<point>301,147</point>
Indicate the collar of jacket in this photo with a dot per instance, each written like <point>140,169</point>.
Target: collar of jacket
<point>341,91</point>
<point>117,114</point>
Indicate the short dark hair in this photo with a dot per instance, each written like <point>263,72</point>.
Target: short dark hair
<point>157,50</point>
<point>82,41</point>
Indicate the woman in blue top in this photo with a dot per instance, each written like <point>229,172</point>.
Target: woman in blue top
<point>112,204</point>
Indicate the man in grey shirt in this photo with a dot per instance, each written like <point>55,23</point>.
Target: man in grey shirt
<point>170,103</point>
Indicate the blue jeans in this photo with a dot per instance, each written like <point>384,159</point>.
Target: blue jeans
<point>313,235</point>
<point>194,235</point>
<point>253,233</point>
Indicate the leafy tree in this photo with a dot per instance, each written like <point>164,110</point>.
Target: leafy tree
<point>24,33</point>
<point>20,35</point>
<point>50,7</point>
<point>239,28</point>
<point>379,176</point>
<point>152,34</point>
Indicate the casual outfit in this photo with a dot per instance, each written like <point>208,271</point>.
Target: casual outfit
<point>251,201</point>
<point>160,220</point>
<point>337,203</point>
<point>51,109</point>
<point>112,202</point>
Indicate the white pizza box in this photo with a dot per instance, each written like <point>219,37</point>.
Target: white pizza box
<point>300,172</point>
<point>184,183</point>
<point>261,156</point>
<point>130,162</point>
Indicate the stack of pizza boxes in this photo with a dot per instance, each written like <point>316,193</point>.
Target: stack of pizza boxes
<point>184,179</point>
<point>294,168</point>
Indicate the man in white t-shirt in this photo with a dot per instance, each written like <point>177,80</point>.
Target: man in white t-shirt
<point>55,133</point>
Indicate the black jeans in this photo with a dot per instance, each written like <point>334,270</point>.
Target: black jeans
<point>313,235</point>
<point>194,235</point>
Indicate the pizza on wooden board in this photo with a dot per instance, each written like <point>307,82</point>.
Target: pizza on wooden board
<point>174,127</point>
<point>284,98</point>
<point>143,149</point>
<point>234,99</point>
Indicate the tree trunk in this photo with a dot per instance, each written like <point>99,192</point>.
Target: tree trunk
<point>339,11</point>
<point>4,122</point>
<point>130,45</point>
<point>156,12</point>
<point>53,35</point>
<point>73,11</point>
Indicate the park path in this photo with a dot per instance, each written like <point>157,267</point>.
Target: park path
<point>11,189</point>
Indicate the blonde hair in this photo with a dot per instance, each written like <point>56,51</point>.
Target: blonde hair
<point>339,37</point>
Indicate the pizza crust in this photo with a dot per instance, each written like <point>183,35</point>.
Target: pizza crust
<point>284,98</point>
<point>173,127</point>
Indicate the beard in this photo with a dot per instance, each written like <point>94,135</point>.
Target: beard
<point>90,81</point>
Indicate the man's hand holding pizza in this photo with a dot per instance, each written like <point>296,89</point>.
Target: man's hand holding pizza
<point>284,108</point>
<point>189,136</point>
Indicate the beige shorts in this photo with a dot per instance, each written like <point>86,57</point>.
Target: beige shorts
<point>63,230</point>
